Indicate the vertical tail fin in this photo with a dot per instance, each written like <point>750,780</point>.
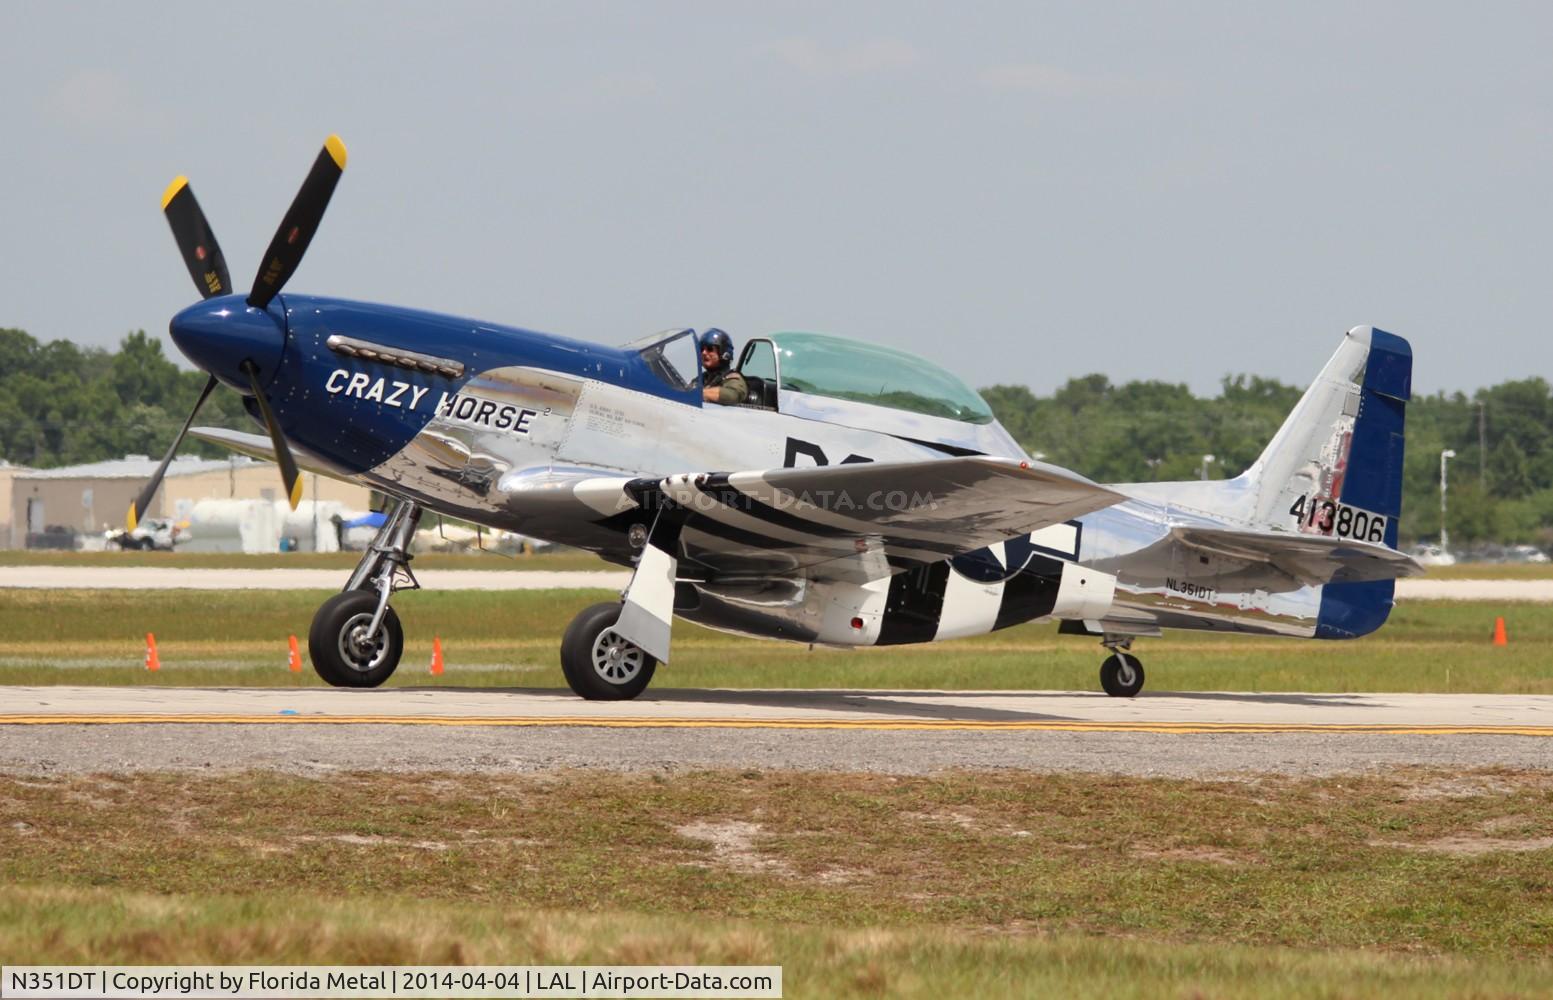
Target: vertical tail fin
<point>1335,467</point>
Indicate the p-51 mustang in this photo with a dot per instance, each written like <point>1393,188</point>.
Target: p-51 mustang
<point>859,497</point>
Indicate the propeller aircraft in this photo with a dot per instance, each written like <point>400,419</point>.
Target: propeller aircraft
<point>858,496</point>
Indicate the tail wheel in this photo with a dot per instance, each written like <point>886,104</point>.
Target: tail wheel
<point>1121,675</point>
<point>599,664</point>
<point>342,650</point>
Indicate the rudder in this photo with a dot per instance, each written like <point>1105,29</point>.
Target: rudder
<point>1335,467</point>
<point>1342,445</point>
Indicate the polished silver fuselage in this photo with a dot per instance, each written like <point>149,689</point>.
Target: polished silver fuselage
<point>471,462</point>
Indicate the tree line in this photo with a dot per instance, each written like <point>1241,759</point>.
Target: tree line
<point>62,404</point>
<point>1501,478</point>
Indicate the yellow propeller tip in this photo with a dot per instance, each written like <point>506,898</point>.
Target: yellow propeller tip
<point>131,520</point>
<point>179,183</point>
<point>336,150</point>
<point>296,493</point>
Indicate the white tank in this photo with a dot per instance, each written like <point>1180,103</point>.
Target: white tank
<point>447,537</point>
<point>310,528</point>
<point>232,526</point>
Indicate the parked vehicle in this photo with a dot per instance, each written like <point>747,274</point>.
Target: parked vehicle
<point>1430,554</point>
<point>151,533</point>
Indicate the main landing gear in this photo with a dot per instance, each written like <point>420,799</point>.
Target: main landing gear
<point>356,640</point>
<point>1122,673</point>
<point>599,664</point>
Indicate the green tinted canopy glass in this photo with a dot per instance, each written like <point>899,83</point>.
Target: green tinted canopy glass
<point>846,369</point>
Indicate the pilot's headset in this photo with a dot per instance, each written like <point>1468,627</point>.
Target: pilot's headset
<point>722,342</point>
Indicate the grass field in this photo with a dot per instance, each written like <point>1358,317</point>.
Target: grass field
<point>1415,883</point>
<point>510,639</point>
<point>1407,883</point>
<point>1492,571</point>
<point>565,559</point>
<point>98,926</point>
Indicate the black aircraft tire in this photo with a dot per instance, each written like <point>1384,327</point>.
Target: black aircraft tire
<point>599,665</point>
<point>1121,680</point>
<point>340,657</point>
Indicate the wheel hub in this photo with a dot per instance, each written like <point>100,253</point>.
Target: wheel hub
<point>615,659</point>
<point>362,651</point>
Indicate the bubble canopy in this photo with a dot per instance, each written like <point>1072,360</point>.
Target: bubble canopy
<point>823,365</point>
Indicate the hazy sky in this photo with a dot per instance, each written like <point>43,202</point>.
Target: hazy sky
<point>1022,192</point>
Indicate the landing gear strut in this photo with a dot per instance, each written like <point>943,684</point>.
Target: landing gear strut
<point>1122,673</point>
<point>356,639</point>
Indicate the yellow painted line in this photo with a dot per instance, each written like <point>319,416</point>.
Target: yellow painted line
<point>628,722</point>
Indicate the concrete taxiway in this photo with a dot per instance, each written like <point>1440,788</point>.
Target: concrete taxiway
<point>62,730</point>
<point>1525,715</point>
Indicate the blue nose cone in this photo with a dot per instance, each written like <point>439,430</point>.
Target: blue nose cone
<point>222,333</point>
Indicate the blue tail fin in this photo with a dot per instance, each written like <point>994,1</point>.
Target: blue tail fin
<point>1372,481</point>
<point>1334,469</point>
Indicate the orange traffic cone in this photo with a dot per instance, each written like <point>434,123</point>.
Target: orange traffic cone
<point>153,661</point>
<point>1500,639</point>
<point>294,661</point>
<point>436,656</point>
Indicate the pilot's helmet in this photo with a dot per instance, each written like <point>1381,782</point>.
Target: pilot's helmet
<point>721,341</point>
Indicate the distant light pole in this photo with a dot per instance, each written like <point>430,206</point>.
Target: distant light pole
<point>1482,443</point>
<point>1445,538</point>
<point>1203,473</point>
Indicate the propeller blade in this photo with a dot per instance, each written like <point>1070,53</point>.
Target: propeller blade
<point>288,465</point>
<point>139,505</point>
<point>201,254</point>
<point>301,222</point>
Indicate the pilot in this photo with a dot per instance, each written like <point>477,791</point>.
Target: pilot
<point>721,384</point>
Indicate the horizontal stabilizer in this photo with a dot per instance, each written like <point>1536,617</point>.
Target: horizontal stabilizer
<point>1311,559</point>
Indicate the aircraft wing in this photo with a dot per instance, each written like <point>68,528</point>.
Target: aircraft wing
<point>259,446</point>
<point>1310,559</point>
<point>859,521</point>
<point>856,522</point>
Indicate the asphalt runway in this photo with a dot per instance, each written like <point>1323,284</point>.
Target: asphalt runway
<point>46,730</point>
<point>168,578</point>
